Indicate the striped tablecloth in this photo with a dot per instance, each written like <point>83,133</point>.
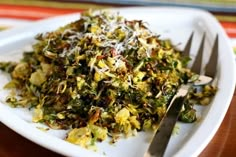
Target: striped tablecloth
<point>15,13</point>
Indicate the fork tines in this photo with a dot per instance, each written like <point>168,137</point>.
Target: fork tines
<point>210,69</point>
<point>211,66</point>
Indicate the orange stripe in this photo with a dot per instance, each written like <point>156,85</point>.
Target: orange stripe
<point>38,8</point>
<point>228,24</point>
<point>230,28</point>
<point>36,13</point>
<point>32,12</point>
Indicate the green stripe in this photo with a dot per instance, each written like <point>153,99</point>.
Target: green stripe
<point>204,2</point>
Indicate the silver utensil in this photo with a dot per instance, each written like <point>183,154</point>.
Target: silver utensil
<point>161,138</point>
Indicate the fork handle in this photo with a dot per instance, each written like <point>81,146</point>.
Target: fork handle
<point>162,136</point>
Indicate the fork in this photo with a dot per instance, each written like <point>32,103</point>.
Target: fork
<point>161,138</point>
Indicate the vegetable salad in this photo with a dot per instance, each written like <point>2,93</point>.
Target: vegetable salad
<point>99,76</point>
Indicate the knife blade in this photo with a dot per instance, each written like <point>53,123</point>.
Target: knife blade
<point>161,138</point>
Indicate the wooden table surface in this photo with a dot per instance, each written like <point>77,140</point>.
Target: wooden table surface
<point>222,145</point>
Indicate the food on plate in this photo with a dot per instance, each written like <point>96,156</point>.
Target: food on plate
<point>99,76</point>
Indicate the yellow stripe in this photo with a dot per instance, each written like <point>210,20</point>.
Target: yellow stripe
<point>226,18</point>
<point>45,3</point>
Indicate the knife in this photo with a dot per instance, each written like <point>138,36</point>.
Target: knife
<point>161,138</point>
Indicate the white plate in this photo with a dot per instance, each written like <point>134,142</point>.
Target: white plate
<point>174,23</point>
<point>12,23</point>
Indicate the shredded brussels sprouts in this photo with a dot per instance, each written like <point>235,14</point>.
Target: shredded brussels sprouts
<point>100,75</point>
